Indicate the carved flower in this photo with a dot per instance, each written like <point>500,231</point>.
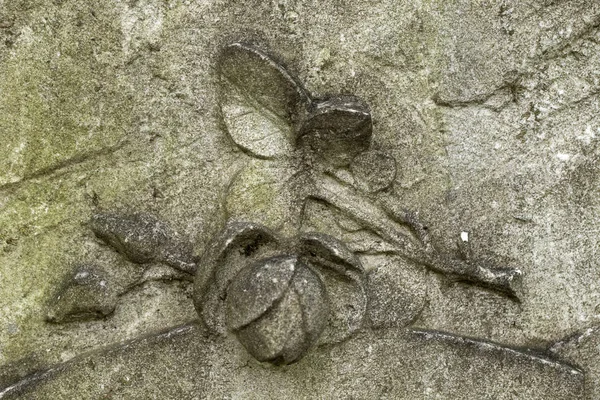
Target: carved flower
<point>279,296</point>
<point>277,308</point>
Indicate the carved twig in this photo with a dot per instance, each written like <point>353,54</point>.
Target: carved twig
<point>421,250</point>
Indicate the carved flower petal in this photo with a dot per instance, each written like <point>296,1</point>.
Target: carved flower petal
<point>225,256</point>
<point>337,129</point>
<point>259,100</point>
<point>238,239</point>
<point>277,337</point>
<point>344,279</point>
<point>256,288</point>
<point>291,326</point>
<point>315,305</point>
<point>347,307</point>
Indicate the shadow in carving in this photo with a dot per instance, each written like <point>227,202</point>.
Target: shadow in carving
<point>280,295</point>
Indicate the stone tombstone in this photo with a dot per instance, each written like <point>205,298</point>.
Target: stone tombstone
<point>280,199</point>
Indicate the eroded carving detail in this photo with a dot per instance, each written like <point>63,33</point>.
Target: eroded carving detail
<point>279,295</point>
<point>143,239</point>
<point>87,294</point>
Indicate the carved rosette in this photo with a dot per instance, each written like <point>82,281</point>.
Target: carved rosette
<point>279,296</point>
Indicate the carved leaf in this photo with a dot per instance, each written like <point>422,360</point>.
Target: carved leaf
<point>328,251</point>
<point>260,101</point>
<point>397,291</point>
<point>143,239</point>
<point>86,294</point>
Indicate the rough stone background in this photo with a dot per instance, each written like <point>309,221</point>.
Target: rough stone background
<point>489,107</point>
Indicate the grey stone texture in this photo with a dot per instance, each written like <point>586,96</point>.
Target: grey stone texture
<point>428,167</point>
<point>87,294</point>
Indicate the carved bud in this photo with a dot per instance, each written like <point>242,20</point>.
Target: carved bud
<point>84,295</point>
<point>279,296</point>
<point>337,129</point>
<point>277,308</point>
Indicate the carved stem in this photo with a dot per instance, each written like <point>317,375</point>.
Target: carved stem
<point>377,219</point>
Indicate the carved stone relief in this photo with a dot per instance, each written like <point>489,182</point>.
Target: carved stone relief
<point>292,289</point>
<point>280,295</point>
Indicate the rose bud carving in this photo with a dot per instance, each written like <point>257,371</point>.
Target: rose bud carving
<point>305,148</point>
<point>279,296</point>
<point>277,308</point>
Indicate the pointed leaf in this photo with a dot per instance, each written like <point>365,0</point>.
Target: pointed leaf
<point>144,239</point>
<point>260,101</point>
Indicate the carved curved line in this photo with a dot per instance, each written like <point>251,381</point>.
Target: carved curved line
<point>30,381</point>
<point>270,61</point>
<point>484,345</point>
<point>276,301</point>
<point>229,238</point>
<point>345,199</point>
<point>574,339</point>
<point>300,95</point>
<point>337,253</point>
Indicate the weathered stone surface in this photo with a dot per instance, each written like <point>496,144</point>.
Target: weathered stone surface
<point>582,349</point>
<point>143,239</point>
<point>280,296</point>
<point>479,122</point>
<point>87,294</point>
<point>397,292</point>
<point>374,170</point>
<point>337,129</point>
